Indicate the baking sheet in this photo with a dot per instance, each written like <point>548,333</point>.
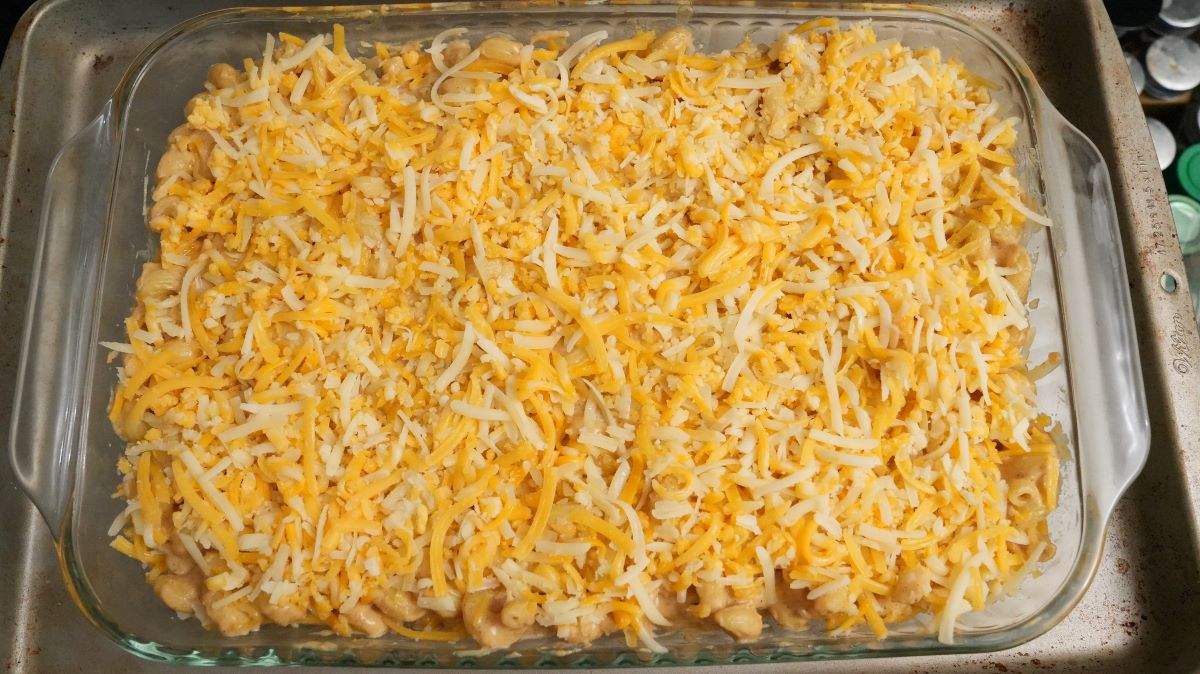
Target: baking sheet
<point>67,55</point>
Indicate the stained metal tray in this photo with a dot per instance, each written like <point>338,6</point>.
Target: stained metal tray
<point>66,56</point>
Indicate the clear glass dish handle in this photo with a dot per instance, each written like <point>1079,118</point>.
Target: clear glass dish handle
<point>1106,374</point>
<point>49,399</point>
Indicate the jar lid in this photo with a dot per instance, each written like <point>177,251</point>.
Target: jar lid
<point>1187,171</point>
<point>1186,212</point>
<point>1180,14</point>
<point>1164,143</point>
<point>1173,63</point>
<point>1137,72</point>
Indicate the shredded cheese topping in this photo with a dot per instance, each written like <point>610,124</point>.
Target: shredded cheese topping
<point>513,339</point>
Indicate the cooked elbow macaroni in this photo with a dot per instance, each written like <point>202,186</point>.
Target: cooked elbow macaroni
<point>505,339</point>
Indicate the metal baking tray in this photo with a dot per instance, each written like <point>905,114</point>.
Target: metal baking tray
<point>66,57</point>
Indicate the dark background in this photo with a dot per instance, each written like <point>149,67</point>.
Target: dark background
<point>10,13</point>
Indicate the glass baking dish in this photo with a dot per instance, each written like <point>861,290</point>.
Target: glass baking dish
<point>94,239</point>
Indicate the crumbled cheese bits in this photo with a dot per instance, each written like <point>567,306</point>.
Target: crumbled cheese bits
<point>495,340</point>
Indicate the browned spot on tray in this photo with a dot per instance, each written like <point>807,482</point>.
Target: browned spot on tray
<point>101,62</point>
